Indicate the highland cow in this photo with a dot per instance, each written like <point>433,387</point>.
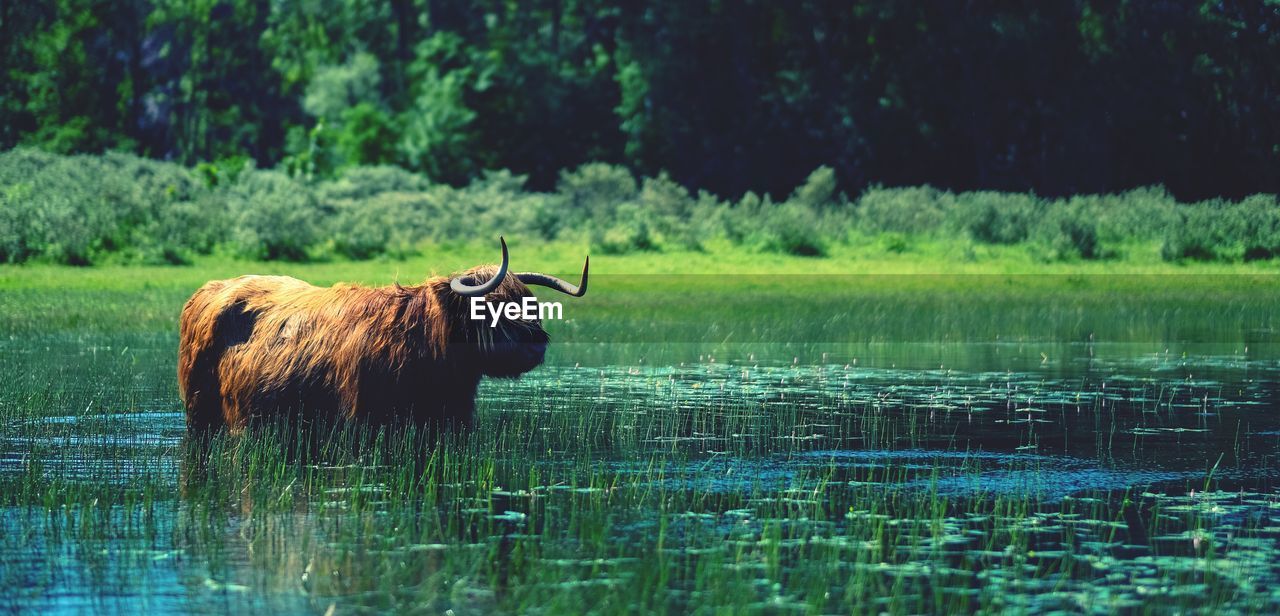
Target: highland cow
<point>272,346</point>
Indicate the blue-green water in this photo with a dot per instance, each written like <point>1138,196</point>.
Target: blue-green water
<point>1085,477</point>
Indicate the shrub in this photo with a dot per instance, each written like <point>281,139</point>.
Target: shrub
<point>495,204</point>
<point>740,220</point>
<point>386,224</point>
<point>630,232</point>
<point>1141,213</point>
<point>895,242</point>
<point>595,190</point>
<point>22,164</point>
<point>181,230</point>
<point>916,210</point>
<point>1261,225</point>
<point>1070,234</point>
<point>1220,230</point>
<point>78,210</point>
<point>362,182</point>
<point>997,218</point>
<point>818,192</point>
<point>35,206</point>
<point>667,208</point>
<point>617,215</point>
<point>87,209</point>
<point>708,219</point>
<point>274,217</point>
<point>622,238</point>
<point>791,228</point>
<point>1194,234</point>
<point>175,216</point>
<point>30,223</point>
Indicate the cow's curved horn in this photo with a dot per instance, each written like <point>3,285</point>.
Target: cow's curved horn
<point>462,285</point>
<point>557,284</point>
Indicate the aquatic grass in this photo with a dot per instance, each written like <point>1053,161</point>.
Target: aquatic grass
<point>387,520</point>
<point>900,476</point>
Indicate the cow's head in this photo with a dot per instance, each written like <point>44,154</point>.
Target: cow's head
<point>514,345</point>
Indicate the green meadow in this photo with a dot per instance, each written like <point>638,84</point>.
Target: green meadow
<point>714,431</point>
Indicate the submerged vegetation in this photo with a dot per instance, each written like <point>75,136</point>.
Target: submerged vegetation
<point>86,209</point>
<point>733,483</point>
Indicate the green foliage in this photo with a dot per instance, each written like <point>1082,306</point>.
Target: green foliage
<point>368,136</point>
<point>728,98</point>
<point>669,209</point>
<point>1063,230</point>
<point>633,88</point>
<point>791,228</point>
<point>818,192</point>
<point>334,89</point>
<point>1218,230</point>
<point>200,79</point>
<point>1069,233</point>
<point>224,171</point>
<point>603,197</point>
<point>998,218</point>
<point>625,217</point>
<point>595,190</point>
<point>385,224</point>
<point>363,182</point>
<point>352,125</point>
<point>81,209</point>
<point>628,233</point>
<point>272,216</point>
<point>118,207</point>
<point>490,205</point>
<point>1144,213</point>
<point>920,209</point>
<point>438,137</point>
<point>802,225</point>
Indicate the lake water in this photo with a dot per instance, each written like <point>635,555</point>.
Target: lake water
<point>1067,476</point>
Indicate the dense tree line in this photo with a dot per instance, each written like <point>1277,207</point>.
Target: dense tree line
<point>1056,97</point>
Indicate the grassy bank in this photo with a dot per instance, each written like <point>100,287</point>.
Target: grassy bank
<point>727,295</point>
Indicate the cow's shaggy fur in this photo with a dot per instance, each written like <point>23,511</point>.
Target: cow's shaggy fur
<point>274,346</point>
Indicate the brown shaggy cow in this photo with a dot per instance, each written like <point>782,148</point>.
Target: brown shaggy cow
<point>263,346</point>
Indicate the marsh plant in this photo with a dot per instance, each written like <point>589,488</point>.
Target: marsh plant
<point>739,482</point>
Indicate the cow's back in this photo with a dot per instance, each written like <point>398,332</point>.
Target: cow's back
<point>217,320</point>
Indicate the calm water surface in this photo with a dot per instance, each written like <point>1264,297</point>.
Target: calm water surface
<point>1189,432</point>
